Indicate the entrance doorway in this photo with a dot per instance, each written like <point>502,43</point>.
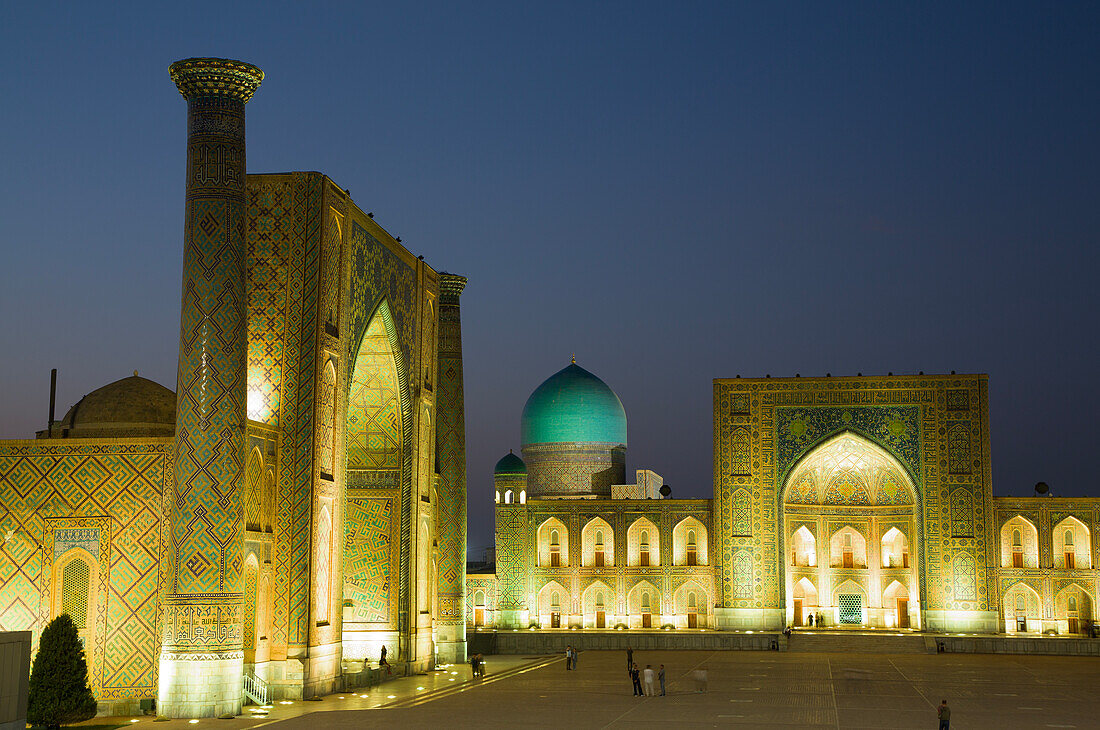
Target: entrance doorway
<point>647,620</point>
<point>798,612</point>
<point>693,620</point>
<point>555,620</point>
<point>601,620</point>
<point>479,616</point>
<point>903,613</point>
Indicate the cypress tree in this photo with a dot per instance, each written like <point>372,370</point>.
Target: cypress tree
<point>59,692</point>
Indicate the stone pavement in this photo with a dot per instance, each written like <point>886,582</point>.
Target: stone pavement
<point>398,691</point>
<point>747,689</point>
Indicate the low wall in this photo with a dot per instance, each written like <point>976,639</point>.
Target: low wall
<point>15,672</point>
<point>1018,645</point>
<point>554,642</point>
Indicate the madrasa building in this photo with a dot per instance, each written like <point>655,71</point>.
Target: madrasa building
<point>864,502</point>
<point>299,501</point>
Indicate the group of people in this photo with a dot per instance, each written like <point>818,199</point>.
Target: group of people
<point>477,665</point>
<point>788,629</point>
<point>570,658</point>
<point>644,680</point>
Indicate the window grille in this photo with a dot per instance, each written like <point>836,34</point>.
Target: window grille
<point>74,594</point>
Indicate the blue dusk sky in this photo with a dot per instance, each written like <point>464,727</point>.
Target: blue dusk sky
<point>675,192</point>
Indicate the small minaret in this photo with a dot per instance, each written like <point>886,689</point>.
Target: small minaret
<point>201,659</point>
<point>450,625</point>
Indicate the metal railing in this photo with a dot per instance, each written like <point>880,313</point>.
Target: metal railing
<point>255,688</point>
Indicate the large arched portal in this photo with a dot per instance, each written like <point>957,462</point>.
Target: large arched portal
<point>849,524</point>
<point>377,427</point>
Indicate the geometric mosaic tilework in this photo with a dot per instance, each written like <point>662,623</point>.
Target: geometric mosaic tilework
<point>90,535</point>
<point>958,448</point>
<point>512,537</point>
<point>212,385</point>
<point>374,407</point>
<point>378,274</point>
<point>911,418</point>
<point>853,471</point>
<point>206,514</point>
<point>964,574</point>
<point>370,562</point>
<point>283,242</point>
<point>451,450</point>
<point>42,484</point>
<point>962,512</point>
<point>742,512</point>
<point>487,585</point>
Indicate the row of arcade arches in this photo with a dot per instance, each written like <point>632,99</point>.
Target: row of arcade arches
<point>643,544</point>
<point>1070,538</point>
<point>1022,610</point>
<point>599,606</point>
<point>850,511</point>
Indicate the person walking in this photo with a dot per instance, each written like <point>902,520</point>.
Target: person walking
<point>701,680</point>
<point>650,687</point>
<point>944,713</point>
<point>383,663</point>
<point>636,680</point>
<point>661,677</point>
<point>574,651</point>
<point>629,659</point>
<point>568,658</point>
<point>811,620</point>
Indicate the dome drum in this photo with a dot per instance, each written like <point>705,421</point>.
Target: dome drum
<point>574,469</point>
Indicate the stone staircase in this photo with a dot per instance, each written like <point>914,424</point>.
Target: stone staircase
<point>853,642</point>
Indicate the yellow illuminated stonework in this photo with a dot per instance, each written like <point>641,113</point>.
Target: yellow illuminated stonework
<point>279,519</point>
<point>859,502</point>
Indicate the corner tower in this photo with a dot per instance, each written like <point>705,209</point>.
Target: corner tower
<point>201,656</point>
<point>450,625</point>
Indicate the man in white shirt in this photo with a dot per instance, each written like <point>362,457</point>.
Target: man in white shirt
<point>650,687</point>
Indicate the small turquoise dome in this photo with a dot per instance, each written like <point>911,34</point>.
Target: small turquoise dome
<point>574,405</point>
<point>510,464</point>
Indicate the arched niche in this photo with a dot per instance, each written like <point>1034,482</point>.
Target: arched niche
<point>553,544</point>
<point>643,544</point>
<point>597,544</point>
<point>1019,543</point>
<point>689,542</point>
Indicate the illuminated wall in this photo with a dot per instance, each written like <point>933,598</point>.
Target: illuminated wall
<point>936,429</point>
<point>527,579</point>
<point>101,500</point>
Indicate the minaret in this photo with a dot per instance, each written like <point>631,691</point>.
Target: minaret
<point>450,625</point>
<point>201,656</point>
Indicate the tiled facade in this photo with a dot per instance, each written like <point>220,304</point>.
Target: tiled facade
<point>860,501</point>
<point>303,534</point>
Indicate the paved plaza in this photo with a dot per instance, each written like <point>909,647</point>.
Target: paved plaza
<point>749,689</point>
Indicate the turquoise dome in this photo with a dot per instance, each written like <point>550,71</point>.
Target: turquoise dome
<point>510,464</point>
<point>574,405</point>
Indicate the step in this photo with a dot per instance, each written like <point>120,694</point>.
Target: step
<point>857,643</point>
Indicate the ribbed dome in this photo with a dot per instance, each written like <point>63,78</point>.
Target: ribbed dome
<point>573,405</point>
<point>132,406</point>
<point>510,464</point>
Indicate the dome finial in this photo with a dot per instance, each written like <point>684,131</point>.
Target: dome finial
<point>574,358</point>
